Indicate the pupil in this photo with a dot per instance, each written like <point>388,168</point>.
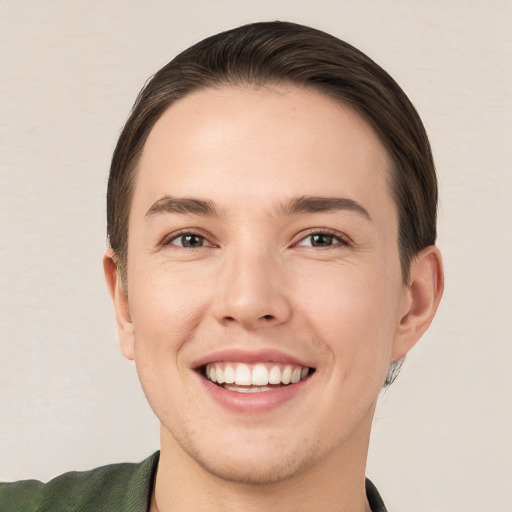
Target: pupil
<point>321,240</point>
<point>191,241</point>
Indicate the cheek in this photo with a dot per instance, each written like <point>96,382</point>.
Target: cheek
<point>166,310</point>
<point>166,306</point>
<point>354,314</point>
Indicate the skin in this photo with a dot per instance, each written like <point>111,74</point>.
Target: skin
<point>255,282</point>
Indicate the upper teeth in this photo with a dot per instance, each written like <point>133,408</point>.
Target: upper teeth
<point>255,375</point>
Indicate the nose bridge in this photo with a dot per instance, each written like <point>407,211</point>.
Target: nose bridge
<point>251,288</point>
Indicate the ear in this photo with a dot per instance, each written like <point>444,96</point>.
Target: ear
<point>422,297</point>
<point>121,307</point>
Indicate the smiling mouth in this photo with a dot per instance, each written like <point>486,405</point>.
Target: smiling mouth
<point>254,378</point>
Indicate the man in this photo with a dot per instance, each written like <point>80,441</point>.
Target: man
<point>271,218</point>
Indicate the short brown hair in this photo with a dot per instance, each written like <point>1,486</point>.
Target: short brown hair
<point>282,52</point>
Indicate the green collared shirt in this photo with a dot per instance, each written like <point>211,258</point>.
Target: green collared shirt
<point>113,488</point>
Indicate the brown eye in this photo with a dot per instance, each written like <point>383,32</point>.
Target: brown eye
<point>320,240</point>
<point>188,241</point>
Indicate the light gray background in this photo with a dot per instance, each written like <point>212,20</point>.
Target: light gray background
<point>69,73</point>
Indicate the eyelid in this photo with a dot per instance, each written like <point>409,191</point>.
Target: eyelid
<point>344,240</point>
<point>166,241</point>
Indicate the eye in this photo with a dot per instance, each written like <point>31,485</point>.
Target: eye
<point>188,241</point>
<point>322,239</point>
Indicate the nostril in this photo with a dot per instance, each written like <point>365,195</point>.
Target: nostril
<point>268,317</point>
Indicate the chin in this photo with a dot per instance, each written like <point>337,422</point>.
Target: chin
<point>251,460</point>
<point>266,469</point>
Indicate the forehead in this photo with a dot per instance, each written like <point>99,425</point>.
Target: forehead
<point>254,144</point>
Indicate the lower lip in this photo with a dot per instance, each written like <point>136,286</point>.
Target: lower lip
<point>253,402</point>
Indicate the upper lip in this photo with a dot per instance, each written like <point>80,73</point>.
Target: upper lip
<point>249,356</point>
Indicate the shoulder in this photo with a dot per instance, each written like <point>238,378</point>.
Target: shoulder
<point>374,498</point>
<point>122,487</point>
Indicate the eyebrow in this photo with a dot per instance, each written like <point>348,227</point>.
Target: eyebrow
<point>183,205</point>
<point>296,205</point>
<point>318,204</point>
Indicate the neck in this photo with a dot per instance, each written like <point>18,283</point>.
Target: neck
<point>335,484</point>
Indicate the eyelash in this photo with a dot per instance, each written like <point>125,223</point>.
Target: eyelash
<point>175,236</point>
<point>341,239</point>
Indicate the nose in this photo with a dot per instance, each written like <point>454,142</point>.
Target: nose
<point>252,292</point>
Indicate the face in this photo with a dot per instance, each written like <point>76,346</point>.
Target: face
<point>264,286</point>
